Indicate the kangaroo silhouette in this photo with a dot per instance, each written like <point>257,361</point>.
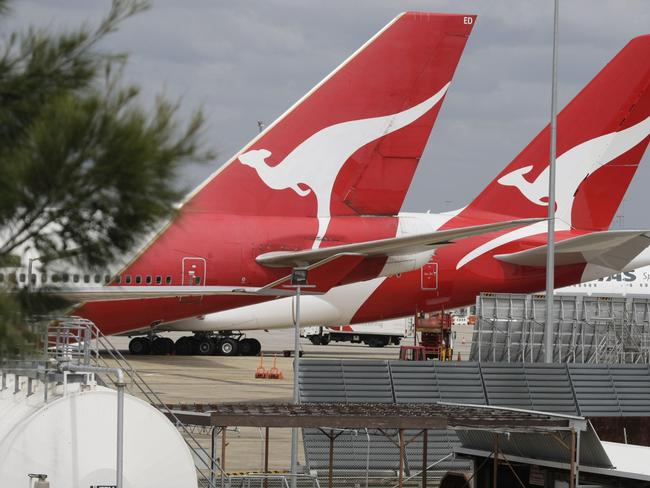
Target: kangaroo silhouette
<point>572,168</point>
<point>316,162</point>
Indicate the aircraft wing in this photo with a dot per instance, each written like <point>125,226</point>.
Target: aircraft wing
<point>90,294</point>
<point>611,249</point>
<point>395,246</point>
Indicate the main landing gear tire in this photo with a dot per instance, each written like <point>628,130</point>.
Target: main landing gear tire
<point>249,347</point>
<point>227,347</point>
<point>205,347</point>
<point>162,346</point>
<point>184,346</point>
<point>139,346</point>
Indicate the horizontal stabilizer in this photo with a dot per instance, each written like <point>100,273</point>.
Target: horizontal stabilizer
<point>610,249</point>
<point>395,246</point>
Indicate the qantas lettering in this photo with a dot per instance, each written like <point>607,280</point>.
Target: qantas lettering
<point>625,276</point>
<point>327,151</point>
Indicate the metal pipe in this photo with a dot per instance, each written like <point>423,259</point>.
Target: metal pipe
<point>266,457</point>
<point>367,456</point>
<point>223,456</point>
<point>495,462</point>
<point>572,465</point>
<point>550,255</point>
<point>119,469</point>
<point>425,448</point>
<point>296,393</point>
<point>213,456</point>
<point>578,459</point>
<point>401,458</point>
<point>330,471</point>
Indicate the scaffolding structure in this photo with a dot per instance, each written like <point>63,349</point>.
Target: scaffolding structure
<point>586,329</point>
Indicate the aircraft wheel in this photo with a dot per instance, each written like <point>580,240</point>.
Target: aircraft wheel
<point>325,340</point>
<point>315,340</point>
<point>162,346</point>
<point>205,347</point>
<point>184,346</point>
<point>249,347</point>
<point>139,346</point>
<point>227,347</point>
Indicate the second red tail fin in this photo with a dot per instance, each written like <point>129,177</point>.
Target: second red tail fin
<point>601,137</point>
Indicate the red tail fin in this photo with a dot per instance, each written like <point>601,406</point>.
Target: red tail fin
<point>351,145</point>
<point>602,135</point>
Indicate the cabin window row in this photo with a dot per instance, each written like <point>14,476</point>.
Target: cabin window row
<point>88,278</point>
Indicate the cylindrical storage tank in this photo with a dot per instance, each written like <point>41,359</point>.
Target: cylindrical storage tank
<point>73,440</point>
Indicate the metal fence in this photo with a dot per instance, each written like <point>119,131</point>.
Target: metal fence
<point>586,329</point>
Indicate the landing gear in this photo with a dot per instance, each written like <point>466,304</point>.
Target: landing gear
<point>184,346</point>
<point>249,347</point>
<point>227,347</point>
<point>201,343</point>
<point>162,346</point>
<point>139,346</point>
<point>205,346</point>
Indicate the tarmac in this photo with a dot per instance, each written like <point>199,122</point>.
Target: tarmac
<point>221,379</point>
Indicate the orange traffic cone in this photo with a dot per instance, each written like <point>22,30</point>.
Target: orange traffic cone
<point>261,371</point>
<point>274,372</point>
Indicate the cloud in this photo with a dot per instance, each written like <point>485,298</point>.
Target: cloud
<point>249,61</point>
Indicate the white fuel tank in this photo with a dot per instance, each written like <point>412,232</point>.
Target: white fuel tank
<point>72,439</point>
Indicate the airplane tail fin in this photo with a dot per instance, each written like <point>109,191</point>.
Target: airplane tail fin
<point>351,145</point>
<point>601,137</point>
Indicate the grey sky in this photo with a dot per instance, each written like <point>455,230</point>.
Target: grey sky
<point>245,61</point>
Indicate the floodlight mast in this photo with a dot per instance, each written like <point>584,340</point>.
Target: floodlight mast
<point>298,281</point>
<point>550,255</point>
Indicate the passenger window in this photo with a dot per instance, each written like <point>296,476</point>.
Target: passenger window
<point>118,279</point>
<point>107,279</point>
<point>65,278</point>
<point>86,278</point>
<point>75,278</point>
<point>56,278</point>
<point>197,280</point>
<point>2,277</point>
<point>147,280</point>
<point>168,280</point>
<point>22,277</point>
<point>158,279</point>
<point>33,278</point>
<point>12,278</point>
<point>98,278</point>
<point>138,279</point>
<point>127,279</point>
<point>44,278</point>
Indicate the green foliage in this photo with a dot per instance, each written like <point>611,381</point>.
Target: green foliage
<point>84,169</point>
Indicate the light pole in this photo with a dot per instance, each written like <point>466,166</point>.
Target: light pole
<point>298,281</point>
<point>550,255</point>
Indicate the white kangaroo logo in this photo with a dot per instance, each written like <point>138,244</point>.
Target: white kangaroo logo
<point>316,162</point>
<point>572,168</point>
